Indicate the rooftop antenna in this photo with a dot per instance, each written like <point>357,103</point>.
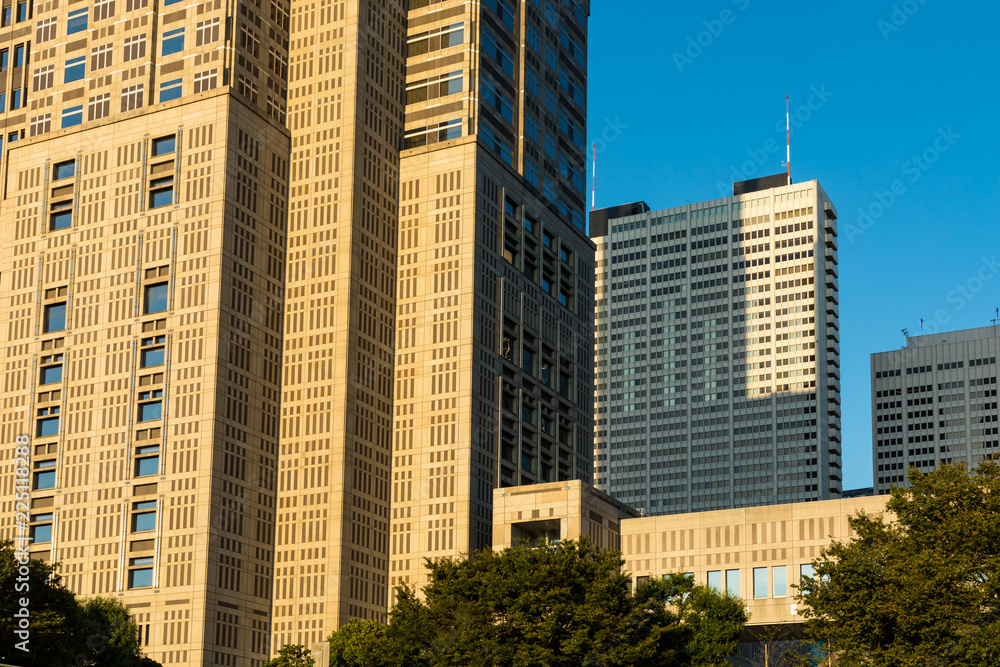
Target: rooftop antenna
<point>996,320</point>
<point>906,337</point>
<point>593,192</point>
<point>788,141</point>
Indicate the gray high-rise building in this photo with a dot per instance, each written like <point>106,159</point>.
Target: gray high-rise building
<point>717,351</point>
<point>934,401</point>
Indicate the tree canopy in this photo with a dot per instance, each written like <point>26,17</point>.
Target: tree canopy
<point>553,605</point>
<point>61,630</point>
<point>919,587</point>
<point>292,655</point>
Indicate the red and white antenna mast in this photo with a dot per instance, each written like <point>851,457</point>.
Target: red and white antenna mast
<point>788,140</point>
<point>593,191</point>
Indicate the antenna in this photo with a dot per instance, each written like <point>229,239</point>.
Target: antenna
<point>996,320</point>
<point>788,141</point>
<point>593,192</point>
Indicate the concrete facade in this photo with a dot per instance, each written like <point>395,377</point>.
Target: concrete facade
<point>717,359</point>
<point>934,401</point>
<point>756,553</point>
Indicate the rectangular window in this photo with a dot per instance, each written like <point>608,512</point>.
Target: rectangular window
<point>135,48</point>
<point>16,96</point>
<point>164,145</point>
<point>173,42</point>
<point>780,582</point>
<point>22,11</point>
<point>435,40</point>
<point>5,21</point>
<point>39,125</point>
<point>45,31</point>
<point>499,54</point>
<point>155,298</point>
<point>715,580</point>
<point>206,32</point>
<point>759,583</point>
<point>41,528</point>
<point>99,107</point>
<point>44,77</point>
<point>4,60</point>
<point>161,192</point>
<point>733,583</point>
<point>48,423</point>
<point>132,5</point>
<point>140,572</point>
<point>150,411</point>
<point>50,375</point>
<point>147,461</point>
<point>152,357</point>
<point>132,97</point>
<point>806,570</point>
<point>19,55</point>
<point>103,9</point>
<point>72,116</point>
<point>75,69</point>
<point>60,220</point>
<point>54,318</point>
<point>144,516</point>
<point>101,57</point>
<point>76,21</point>
<point>45,475</point>
<point>61,170</point>
<point>170,90</point>
<point>206,80</point>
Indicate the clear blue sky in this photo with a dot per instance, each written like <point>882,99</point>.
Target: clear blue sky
<point>677,126</point>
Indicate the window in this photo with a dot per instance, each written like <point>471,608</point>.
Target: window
<point>39,125</point>
<point>103,9</point>
<point>147,461</point>
<point>135,48</point>
<point>19,55</point>
<point>22,11</point>
<point>173,42</point>
<point>546,239</point>
<point>496,99</point>
<point>4,60</point>
<point>16,97</point>
<point>99,106</point>
<point>45,31</point>
<point>50,374</point>
<point>249,41</point>
<point>153,351</point>
<point>170,90</point>
<point>759,582</point>
<point>206,80</point>
<point>161,192</point>
<point>565,255</point>
<point>155,298</point>
<point>62,170</point>
<point>44,77</point>
<point>434,87</point>
<point>6,17</point>
<point>140,572</point>
<point>132,5</point>
<point>76,21</point>
<point>498,53</point>
<point>41,528</point>
<point>62,218</point>
<point>780,583</point>
<point>54,318</point>
<point>45,475</point>
<point>153,408</point>
<point>432,134</point>
<point>435,40</point>
<point>101,57</point>
<point>806,570</point>
<point>144,516</point>
<point>164,145</point>
<point>206,32</point>
<point>14,136</point>
<point>733,583</point>
<point>75,69</point>
<point>132,97</point>
<point>48,422</point>
<point>247,89</point>
<point>72,116</point>
<point>715,580</point>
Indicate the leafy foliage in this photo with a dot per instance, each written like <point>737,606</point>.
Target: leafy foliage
<point>555,605</point>
<point>62,631</point>
<point>292,655</point>
<point>922,590</point>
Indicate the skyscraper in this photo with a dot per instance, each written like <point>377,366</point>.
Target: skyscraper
<point>142,274</point>
<point>494,331</point>
<point>934,401</point>
<point>717,355</point>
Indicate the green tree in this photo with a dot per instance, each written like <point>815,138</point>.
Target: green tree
<point>292,655</point>
<point>113,636</point>
<point>557,605</point>
<point>921,589</point>
<point>360,644</point>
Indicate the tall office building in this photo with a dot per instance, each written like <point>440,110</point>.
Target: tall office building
<point>345,115</point>
<point>717,353</point>
<point>142,276</point>
<point>934,401</point>
<point>494,330</point>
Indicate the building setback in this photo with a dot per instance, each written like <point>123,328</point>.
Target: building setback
<point>934,401</point>
<point>494,328</point>
<point>717,353</point>
<point>142,272</point>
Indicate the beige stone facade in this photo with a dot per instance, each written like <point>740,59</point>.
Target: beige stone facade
<point>756,553</point>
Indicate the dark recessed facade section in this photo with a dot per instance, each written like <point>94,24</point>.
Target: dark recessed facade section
<point>762,183</point>
<point>599,218</point>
